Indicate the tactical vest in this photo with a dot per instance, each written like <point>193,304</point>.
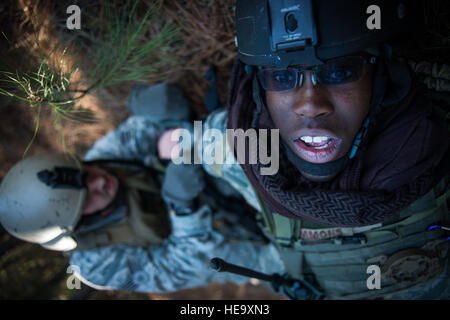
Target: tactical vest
<point>142,223</point>
<point>410,249</point>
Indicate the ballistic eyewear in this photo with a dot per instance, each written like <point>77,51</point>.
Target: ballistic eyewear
<point>333,72</point>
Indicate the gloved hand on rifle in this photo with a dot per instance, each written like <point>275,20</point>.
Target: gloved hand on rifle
<point>182,184</point>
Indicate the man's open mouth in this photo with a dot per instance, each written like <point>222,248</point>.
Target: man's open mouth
<point>317,143</point>
<point>317,148</point>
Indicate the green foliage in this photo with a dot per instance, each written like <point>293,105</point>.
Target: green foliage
<point>48,86</point>
<point>121,50</point>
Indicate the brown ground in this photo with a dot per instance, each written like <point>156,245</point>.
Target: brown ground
<point>28,271</point>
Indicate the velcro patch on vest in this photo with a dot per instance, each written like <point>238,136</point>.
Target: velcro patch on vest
<point>329,233</point>
<point>321,234</point>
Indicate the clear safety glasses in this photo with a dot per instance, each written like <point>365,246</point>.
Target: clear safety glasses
<point>333,72</point>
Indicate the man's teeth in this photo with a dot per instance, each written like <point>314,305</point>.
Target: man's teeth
<point>321,142</point>
<point>309,139</point>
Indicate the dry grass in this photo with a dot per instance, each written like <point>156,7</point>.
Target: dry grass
<point>34,30</point>
<point>207,30</point>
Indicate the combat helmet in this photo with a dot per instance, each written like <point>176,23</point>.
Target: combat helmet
<point>288,32</point>
<point>283,33</point>
<point>41,200</point>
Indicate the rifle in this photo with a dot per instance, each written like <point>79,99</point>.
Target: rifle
<point>293,288</point>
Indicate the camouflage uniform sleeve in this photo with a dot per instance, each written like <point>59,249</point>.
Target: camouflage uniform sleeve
<point>228,168</point>
<point>180,262</point>
<point>135,139</point>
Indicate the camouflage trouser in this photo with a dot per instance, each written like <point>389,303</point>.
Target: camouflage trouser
<point>165,106</point>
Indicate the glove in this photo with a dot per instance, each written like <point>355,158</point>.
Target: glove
<point>182,184</point>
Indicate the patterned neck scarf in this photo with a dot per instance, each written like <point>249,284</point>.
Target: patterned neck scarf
<point>396,163</point>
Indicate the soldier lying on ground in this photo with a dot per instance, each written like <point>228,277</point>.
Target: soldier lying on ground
<point>109,215</point>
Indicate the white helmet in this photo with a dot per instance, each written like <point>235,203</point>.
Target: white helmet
<point>41,200</point>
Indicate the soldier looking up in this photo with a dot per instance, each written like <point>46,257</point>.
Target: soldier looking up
<point>364,156</point>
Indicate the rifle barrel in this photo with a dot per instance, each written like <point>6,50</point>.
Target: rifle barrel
<point>222,266</point>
